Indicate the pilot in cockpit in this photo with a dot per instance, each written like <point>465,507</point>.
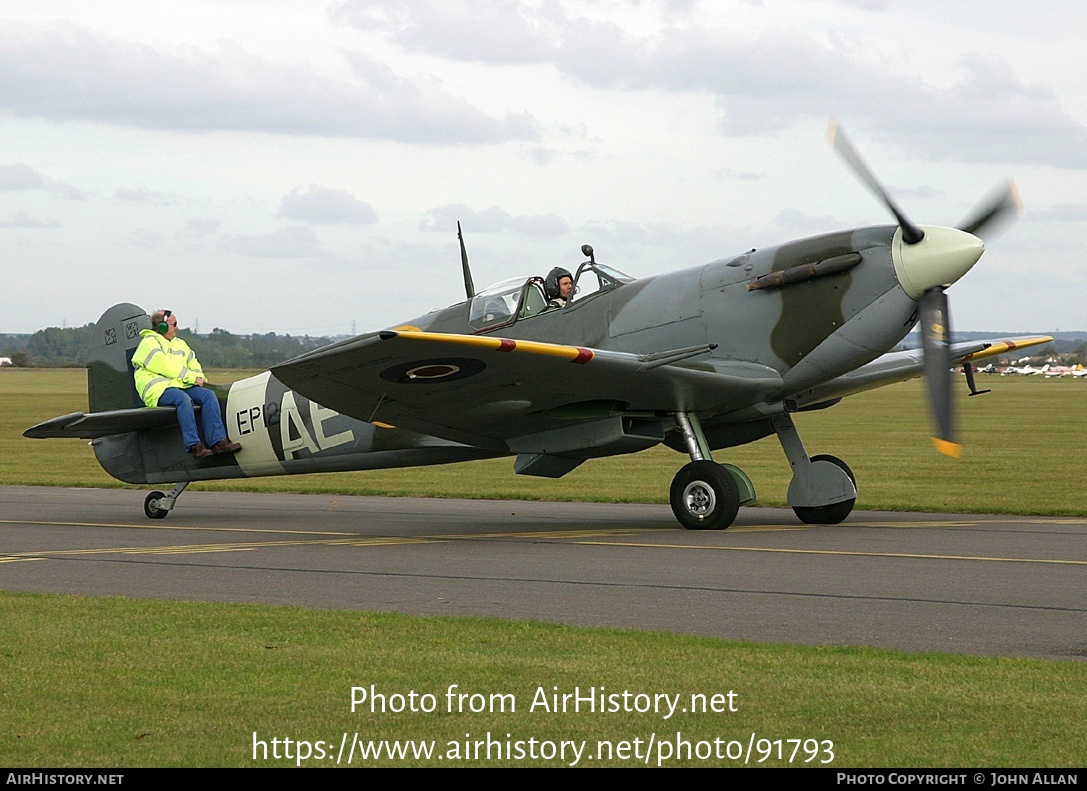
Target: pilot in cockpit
<point>559,285</point>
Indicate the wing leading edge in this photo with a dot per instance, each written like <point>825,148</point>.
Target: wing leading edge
<point>487,391</point>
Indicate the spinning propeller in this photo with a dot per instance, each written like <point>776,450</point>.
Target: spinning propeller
<point>927,259</point>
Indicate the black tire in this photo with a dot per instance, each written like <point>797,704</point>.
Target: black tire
<point>704,496</point>
<point>151,508</point>
<point>829,514</point>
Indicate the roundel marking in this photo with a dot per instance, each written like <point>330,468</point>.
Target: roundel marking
<point>433,371</point>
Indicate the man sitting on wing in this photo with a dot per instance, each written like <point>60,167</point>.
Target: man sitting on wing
<point>167,373</point>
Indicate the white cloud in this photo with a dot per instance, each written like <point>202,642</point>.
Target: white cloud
<point>321,205</point>
<point>764,78</point>
<point>62,190</point>
<point>499,31</point>
<point>294,241</point>
<point>144,195</point>
<point>741,175</point>
<point>492,220</point>
<point>149,240</point>
<point>795,223</point>
<point>23,220</point>
<point>203,225</point>
<point>63,71</point>
<point>1063,212</point>
<point>541,156</point>
<point>20,177</point>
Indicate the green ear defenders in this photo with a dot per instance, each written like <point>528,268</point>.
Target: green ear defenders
<point>163,326</point>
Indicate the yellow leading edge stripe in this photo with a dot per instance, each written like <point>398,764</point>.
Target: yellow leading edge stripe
<point>1007,346</point>
<point>502,344</point>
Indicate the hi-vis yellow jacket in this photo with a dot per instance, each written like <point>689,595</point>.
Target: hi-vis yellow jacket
<point>160,364</point>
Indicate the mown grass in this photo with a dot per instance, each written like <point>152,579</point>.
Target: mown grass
<point>118,682</point>
<point>1024,453</point>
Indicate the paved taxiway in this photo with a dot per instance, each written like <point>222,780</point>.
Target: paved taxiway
<point>994,585</point>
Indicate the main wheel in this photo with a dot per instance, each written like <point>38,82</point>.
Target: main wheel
<point>151,506</point>
<point>704,496</point>
<point>829,514</point>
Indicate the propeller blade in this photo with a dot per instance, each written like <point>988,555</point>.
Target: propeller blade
<point>999,207</point>
<point>936,342</point>
<point>911,234</point>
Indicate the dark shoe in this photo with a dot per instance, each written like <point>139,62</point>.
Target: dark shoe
<point>199,451</point>
<point>225,446</point>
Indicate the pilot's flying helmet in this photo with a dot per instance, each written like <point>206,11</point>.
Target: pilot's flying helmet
<point>551,284</point>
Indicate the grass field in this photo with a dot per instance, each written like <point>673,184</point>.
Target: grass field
<point>118,682</point>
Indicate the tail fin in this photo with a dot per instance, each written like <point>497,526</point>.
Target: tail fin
<point>109,360</point>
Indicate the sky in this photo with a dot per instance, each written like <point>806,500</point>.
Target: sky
<point>300,167</point>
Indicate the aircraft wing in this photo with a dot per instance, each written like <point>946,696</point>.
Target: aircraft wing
<point>483,390</point>
<point>901,366</point>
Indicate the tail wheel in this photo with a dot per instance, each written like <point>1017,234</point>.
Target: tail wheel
<point>829,514</point>
<point>704,496</point>
<point>151,506</point>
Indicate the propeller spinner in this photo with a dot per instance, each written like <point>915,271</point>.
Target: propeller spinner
<point>927,260</point>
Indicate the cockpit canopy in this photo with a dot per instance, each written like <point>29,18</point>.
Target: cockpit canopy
<point>520,298</point>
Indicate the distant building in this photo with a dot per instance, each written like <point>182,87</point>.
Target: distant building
<point>5,361</point>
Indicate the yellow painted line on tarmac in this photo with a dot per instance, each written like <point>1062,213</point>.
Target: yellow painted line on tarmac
<point>988,522</point>
<point>947,523</point>
<point>158,550</point>
<point>357,541</point>
<point>575,536</point>
<point>840,552</point>
<point>604,532</point>
<point>189,550</point>
<point>183,549</point>
<point>351,537</point>
<point>768,528</point>
<point>590,533</point>
<point>381,541</point>
<point>176,527</point>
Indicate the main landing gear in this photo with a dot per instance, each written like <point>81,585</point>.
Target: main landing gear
<point>706,495</point>
<point>156,505</point>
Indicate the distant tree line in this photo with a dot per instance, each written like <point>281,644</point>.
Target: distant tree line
<point>222,349</point>
<point>66,347</point>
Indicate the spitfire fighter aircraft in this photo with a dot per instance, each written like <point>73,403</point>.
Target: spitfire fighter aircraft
<point>699,359</point>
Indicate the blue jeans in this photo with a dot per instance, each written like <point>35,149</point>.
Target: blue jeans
<point>210,418</point>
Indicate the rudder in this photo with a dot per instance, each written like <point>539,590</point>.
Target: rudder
<point>109,361</point>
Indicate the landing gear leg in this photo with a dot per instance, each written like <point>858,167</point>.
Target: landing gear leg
<point>823,490</point>
<point>706,495</point>
<point>156,505</point>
